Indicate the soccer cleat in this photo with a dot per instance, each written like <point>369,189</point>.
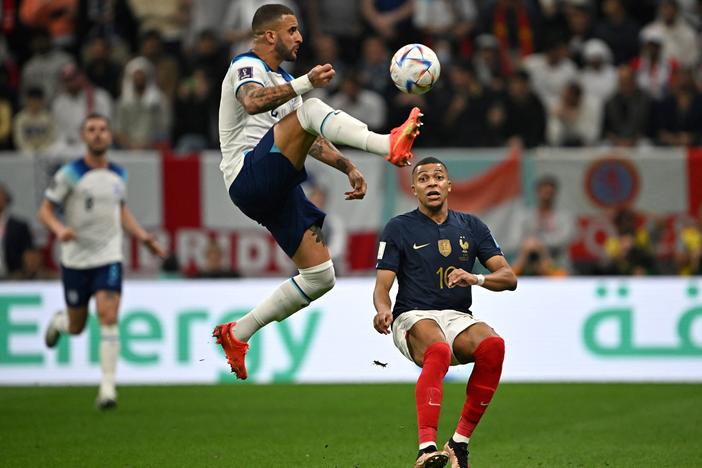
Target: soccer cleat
<point>458,453</point>
<point>52,334</point>
<point>106,404</point>
<point>430,457</point>
<point>402,138</point>
<point>233,348</point>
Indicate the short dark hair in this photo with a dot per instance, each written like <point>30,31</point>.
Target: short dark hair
<point>547,179</point>
<point>428,160</point>
<point>94,115</point>
<point>267,14</point>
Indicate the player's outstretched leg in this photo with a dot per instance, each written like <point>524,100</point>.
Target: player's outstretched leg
<point>291,296</point>
<point>337,126</point>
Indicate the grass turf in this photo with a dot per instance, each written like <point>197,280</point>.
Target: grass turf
<point>527,425</point>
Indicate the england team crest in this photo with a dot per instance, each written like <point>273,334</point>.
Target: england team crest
<point>445,247</point>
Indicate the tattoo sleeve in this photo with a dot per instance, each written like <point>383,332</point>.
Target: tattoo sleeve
<point>256,98</point>
<point>317,233</point>
<point>324,150</point>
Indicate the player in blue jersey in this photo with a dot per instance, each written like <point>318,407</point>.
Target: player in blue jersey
<point>92,192</point>
<point>431,251</point>
<point>266,132</point>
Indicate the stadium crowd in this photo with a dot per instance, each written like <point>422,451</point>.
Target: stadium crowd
<point>551,72</point>
<point>548,72</point>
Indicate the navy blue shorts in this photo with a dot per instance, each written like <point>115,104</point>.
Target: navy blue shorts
<point>268,191</point>
<point>80,284</point>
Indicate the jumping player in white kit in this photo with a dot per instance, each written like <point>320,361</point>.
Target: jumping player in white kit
<point>266,132</point>
<point>92,192</point>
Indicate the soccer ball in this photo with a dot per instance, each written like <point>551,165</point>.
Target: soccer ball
<point>414,68</point>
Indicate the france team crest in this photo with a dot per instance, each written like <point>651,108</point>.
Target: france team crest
<point>445,247</point>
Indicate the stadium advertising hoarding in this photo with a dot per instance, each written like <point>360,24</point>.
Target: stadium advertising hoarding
<point>556,330</point>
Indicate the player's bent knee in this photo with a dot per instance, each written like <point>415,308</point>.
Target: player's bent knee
<point>317,280</point>
<point>311,114</point>
<point>491,352</point>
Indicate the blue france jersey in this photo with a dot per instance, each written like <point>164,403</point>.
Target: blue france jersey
<point>422,253</point>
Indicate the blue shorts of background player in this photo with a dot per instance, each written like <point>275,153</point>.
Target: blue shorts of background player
<point>268,191</point>
<point>79,285</point>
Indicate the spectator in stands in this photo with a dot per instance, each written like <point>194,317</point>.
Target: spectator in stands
<point>373,67</point>
<point>461,109</point>
<point>620,32</point>
<point>578,15</point>
<point>327,51</point>
<point>33,266</point>
<point>515,24</point>
<point>57,17</point>
<point>334,229</point>
<point>534,260</point>
<point>628,251</point>
<point>15,237</point>
<point>525,114</point>
<point>166,71</point>
<point>653,70</point>
<point>391,20</point>
<point>363,104</point>
<point>340,18</point>
<point>168,19</point>
<point>551,71</point>
<point>100,68</point>
<point>574,121</point>
<point>34,128</point>
<point>113,20</point>
<point>688,248</point>
<point>678,38</point>
<point>449,20</point>
<point>678,116</point>
<point>627,114</point>
<point>43,69</point>
<point>487,64</point>
<point>196,110</point>
<point>598,77</point>
<point>143,118</point>
<point>547,232</point>
<point>214,263</point>
<point>78,99</point>
<point>208,54</point>
<point>6,109</point>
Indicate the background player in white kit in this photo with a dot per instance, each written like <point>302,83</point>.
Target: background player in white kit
<point>266,132</point>
<point>92,192</point>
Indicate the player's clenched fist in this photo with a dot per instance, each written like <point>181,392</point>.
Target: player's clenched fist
<point>66,234</point>
<point>321,75</point>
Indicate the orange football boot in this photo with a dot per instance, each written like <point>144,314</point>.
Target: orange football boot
<point>402,138</point>
<point>233,348</point>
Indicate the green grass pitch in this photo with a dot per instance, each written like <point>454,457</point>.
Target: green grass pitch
<point>527,425</point>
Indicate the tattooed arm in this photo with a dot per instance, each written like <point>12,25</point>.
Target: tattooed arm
<point>323,150</point>
<point>256,98</point>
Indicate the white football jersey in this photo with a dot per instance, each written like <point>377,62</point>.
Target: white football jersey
<point>239,132</point>
<point>92,201</point>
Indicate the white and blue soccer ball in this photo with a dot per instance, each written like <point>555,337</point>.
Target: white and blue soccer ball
<point>414,68</point>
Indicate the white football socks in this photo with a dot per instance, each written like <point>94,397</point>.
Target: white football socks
<point>424,445</point>
<point>109,352</point>
<point>291,296</point>
<point>339,127</point>
<point>461,439</point>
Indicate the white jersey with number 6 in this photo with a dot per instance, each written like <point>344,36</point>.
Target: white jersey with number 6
<point>239,132</point>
